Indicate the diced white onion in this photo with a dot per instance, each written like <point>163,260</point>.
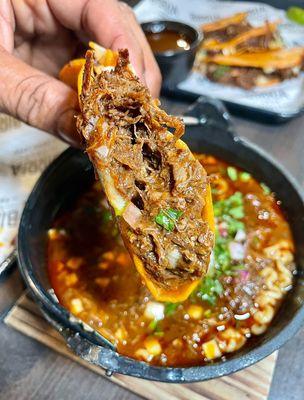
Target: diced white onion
<point>132,215</point>
<point>237,251</point>
<point>261,80</point>
<point>114,197</point>
<point>173,256</point>
<point>268,70</point>
<point>154,310</point>
<point>221,328</point>
<point>102,151</point>
<point>296,70</point>
<point>240,236</point>
<point>100,68</point>
<point>211,264</point>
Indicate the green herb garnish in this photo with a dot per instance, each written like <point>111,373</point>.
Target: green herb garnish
<point>234,225</point>
<point>153,324</point>
<point>222,208</point>
<point>220,71</point>
<point>232,173</point>
<point>155,328</point>
<point>239,267</point>
<point>163,220</point>
<point>170,309</point>
<point>265,188</point>
<point>106,216</point>
<point>221,254</point>
<point>296,14</point>
<point>167,218</point>
<point>237,212</point>
<point>174,214</point>
<point>210,289</point>
<point>229,212</point>
<point>245,176</point>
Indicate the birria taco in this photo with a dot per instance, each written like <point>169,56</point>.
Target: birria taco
<point>225,28</point>
<point>249,70</point>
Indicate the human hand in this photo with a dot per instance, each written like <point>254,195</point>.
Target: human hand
<point>37,37</point>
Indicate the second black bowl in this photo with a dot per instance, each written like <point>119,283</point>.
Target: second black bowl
<point>174,65</point>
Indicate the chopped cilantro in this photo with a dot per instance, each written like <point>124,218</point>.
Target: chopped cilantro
<point>221,253</point>
<point>229,211</point>
<point>170,308</point>
<point>245,176</point>
<point>167,218</point>
<point>174,214</point>
<point>239,267</point>
<point>106,216</point>
<point>232,173</point>
<point>223,207</point>
<point>265,188</point>
<point>163,220</point>
<point>234,225</point>
<point>210,289</point>
<point>153,324</point>
<point>220,71</point>
<point>237,212</point>
<point>155,328</point>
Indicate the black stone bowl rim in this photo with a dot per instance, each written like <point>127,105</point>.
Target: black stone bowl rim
<point>174,26</point>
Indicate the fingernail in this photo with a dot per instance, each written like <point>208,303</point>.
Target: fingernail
<point>67,131</point>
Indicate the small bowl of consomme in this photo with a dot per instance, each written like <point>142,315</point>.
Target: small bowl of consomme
<point>174,45</point>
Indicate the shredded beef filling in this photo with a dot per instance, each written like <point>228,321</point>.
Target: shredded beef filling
<point>120,118</point>
<point>246,77</point>
<point>229,32</point>
<point>262,42</point>
<point>255,44</point>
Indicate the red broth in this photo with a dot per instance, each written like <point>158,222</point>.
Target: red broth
<point>251,271</point>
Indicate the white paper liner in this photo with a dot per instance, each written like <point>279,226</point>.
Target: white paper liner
<point>286,98</point>
<point>24,154</point>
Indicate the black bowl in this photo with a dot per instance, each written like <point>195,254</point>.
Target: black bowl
<point>174,65</point>
<point>71,173</point>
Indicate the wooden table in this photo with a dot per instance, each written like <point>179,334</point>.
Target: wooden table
<point>29,370</point>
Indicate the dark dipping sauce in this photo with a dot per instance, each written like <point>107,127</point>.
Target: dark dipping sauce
<point>167,40</point>
<point>252,270</point>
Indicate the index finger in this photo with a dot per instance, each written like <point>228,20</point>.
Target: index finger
<point>105,22</point>
<point>151,70</point>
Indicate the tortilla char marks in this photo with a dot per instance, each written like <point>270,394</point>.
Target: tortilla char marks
<point>87,73</point>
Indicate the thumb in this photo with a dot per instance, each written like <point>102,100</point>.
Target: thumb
<point>37,98</point>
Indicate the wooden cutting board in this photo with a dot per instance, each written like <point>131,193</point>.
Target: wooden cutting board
<point>252,383</point>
